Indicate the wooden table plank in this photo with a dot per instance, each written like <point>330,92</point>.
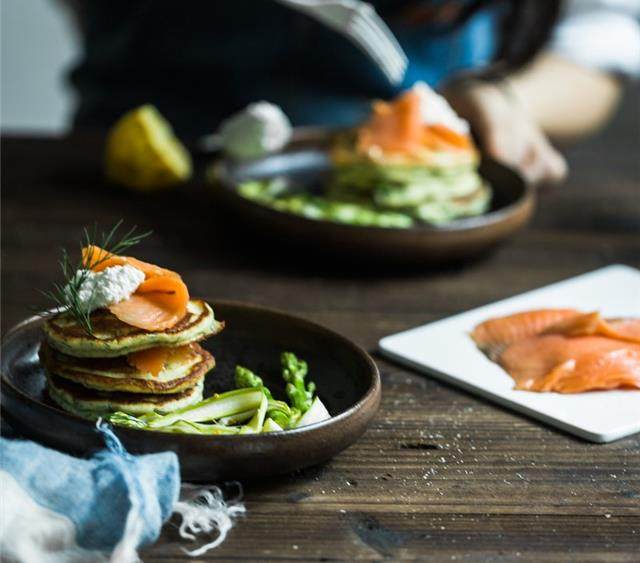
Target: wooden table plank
<point>440,474</point>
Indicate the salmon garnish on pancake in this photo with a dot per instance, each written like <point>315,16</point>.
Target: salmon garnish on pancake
<point>158,303</point>
<point>153,360</point>
<point>397,127</point>
<point>184,368</point>
<point>124,335</point>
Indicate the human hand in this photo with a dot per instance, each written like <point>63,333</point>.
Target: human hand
<point>506,132</point>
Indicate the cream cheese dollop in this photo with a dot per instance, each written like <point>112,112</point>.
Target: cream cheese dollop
<point>107,287</point>
<point>257,130</point>
<point>436,110</point>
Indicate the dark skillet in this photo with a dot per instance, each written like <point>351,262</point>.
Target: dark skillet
<point>347,380</point>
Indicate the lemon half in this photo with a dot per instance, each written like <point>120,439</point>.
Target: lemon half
<point>143,153</point>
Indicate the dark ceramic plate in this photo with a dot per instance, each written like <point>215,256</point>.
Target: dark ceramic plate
<point>306,164</point>
<point>347,379</point>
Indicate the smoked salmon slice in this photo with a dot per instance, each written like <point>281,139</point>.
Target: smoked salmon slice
<point>493,335</point>
<point>625,329</point>
<point>160,301</point>
<point>450,136</point>
<point>563,350</point>
<point>617,369</point>
<point>572,364</point>
<point>394,126</point>
<point>398,127</point>
<point>153,360</point>
<point>593,323</point>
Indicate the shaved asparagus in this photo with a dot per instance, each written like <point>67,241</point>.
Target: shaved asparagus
<point>179,427</point>
<point>236,418</point>
<point>128,420</point>
<point>251,404</point>
<point>254,426</point>
<point>271,425</point>
<point>281,413</point>
<point>218,406</point>
<point>185,427</point>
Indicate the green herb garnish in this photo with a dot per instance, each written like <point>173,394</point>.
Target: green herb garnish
<point>66,295</point>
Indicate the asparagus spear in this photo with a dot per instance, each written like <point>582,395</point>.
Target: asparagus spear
<point>294,372</point>
<point>271,425</point>
<point>218,406</point>
<point>254,426</point>
<point>279,411</point>
<point>245,378</point>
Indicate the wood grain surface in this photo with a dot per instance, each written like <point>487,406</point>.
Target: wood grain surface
<point>440,475</point>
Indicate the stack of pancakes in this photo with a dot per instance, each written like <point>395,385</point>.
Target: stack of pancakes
<point>92,376</point>
<point>431,186</point>
<point>403,162</point>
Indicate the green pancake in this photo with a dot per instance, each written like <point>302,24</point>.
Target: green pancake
<point>91,404</point>
<point>442,212</point>
<point>112,337</point>
<point>431,188</point>
<point>116,374</point>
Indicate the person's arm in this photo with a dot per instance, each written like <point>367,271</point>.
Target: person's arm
<point>514,118</point>
<point>566,100</point>
<point>564,94</point>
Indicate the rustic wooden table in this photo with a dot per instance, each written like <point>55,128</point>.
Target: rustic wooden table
<point>440,474</point>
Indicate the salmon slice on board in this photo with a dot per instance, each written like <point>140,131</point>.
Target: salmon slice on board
<point>563,350</point>
<point>494,335</point>
<point>572,364</point>
<point>594,324</point>
<point>160,301</point>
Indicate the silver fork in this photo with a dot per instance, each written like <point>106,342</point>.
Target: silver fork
<point>360,23</point>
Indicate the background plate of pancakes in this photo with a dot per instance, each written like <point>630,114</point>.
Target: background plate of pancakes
<point>347,380</point>
<point>306,162</point>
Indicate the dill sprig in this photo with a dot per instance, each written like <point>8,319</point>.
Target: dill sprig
<point>66,295</point>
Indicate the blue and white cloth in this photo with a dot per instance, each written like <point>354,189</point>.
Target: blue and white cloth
<point>57,508</point>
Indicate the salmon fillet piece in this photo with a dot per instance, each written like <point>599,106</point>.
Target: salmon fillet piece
<point>153,360</point>
<point>572,364</point>
<point>563,350</point>
<point>593,323</point>
<point>397,127</point>
<point>160,301</point>
<point>494,335</point>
